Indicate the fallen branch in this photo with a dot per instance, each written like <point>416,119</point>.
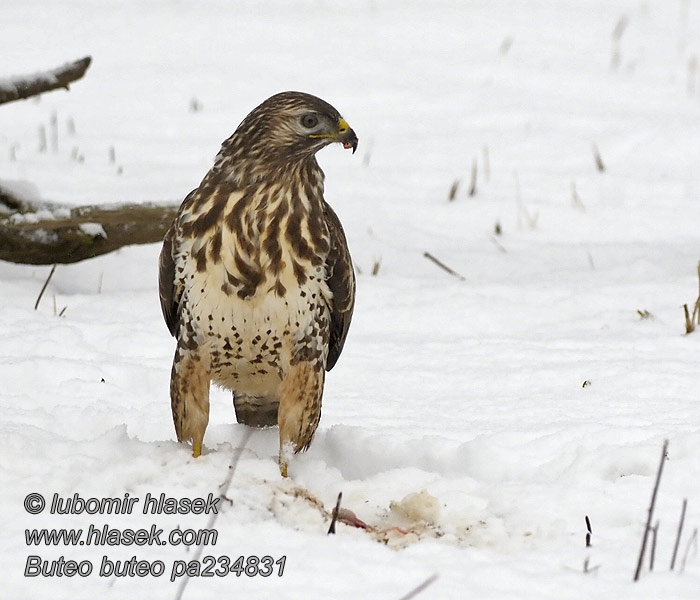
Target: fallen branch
<point>21,87</point>
<point>45,234</point>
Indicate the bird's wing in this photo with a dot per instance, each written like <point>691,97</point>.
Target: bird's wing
<point>341,281</point>
<point>169,289</point>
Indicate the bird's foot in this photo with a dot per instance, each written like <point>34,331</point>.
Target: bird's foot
<point>196,449</point>
<point>285,456</point>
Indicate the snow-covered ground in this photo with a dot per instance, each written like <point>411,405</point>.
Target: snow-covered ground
<point>470,390</point>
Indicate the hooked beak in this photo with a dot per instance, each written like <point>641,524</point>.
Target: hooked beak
<point>346,136</point>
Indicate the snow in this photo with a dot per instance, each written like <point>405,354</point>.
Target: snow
<point>8,86</point>
<point>458,410</point>
<point>93,229</point>
<point>43,214</point>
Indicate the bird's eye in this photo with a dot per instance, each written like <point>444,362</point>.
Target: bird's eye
<point>309,121</point>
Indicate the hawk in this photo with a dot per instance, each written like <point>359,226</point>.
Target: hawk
<point>256,281</point>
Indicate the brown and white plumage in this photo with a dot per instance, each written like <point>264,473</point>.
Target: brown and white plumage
<point>256,281</point>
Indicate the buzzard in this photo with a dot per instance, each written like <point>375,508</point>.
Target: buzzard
<point>256,282</point>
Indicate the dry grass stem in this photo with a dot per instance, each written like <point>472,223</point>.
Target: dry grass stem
<point>523,213</point>
<point>600,165</point>
<point>43,145</point>
<point>652,554</point>
<point>576,201</point>
<point>589,532</point>
<point>487,164</point>
<point>650,515</point>
<point>692,544</point>
<point>472,183</point>
<point>453,190</point>
<point>679,533</point>
<point>417,590</point>
<point>54,132</point>
<point>43,289</point>
<point>334,516</point>
<point>498,244</point>
<point>443,266</point>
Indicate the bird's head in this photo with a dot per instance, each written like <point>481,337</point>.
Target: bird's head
<point>290,125</point>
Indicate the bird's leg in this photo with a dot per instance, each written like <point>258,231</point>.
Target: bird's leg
<point>299,410</point>
<point>189,397</point>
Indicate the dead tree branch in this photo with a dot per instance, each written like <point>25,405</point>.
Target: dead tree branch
<point>25,86</point>
<point>46,233</point>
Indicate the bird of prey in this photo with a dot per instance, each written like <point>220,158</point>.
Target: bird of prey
<point>256,282</point>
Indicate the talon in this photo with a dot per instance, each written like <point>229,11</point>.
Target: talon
<point>283,469</point>
<point>196,449</point>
